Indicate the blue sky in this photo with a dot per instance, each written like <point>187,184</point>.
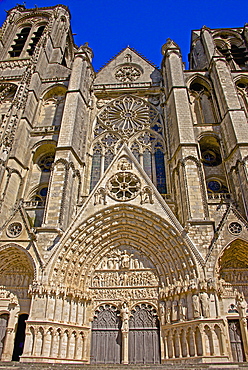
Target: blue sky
<point>110,25</point>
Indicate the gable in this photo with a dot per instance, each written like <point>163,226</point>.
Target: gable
<point>128,67</point>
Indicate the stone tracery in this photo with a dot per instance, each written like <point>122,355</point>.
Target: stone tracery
<point>127,73</point>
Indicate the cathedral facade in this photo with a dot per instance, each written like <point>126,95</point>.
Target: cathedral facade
<point>123,198</point>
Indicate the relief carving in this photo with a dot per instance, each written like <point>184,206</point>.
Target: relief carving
<point>125,294</point>
<point>146,195</point>
<point>100,196</point>
<point>122,274</point>
<point>124,164</point>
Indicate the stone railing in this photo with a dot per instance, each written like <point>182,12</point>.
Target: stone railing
<point>43,130</point>
<point>219,196</point>
<point>20,63</point>
<point>34,203</point>
<point>123,85</point>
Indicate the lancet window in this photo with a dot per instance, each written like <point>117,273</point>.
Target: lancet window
<point>139,124</point>
<point>242,87</point>
<point>213,167</point>
<point>52,107</point>
<point>26,40</point>
<point>203,109</point>
<point>233,48</point>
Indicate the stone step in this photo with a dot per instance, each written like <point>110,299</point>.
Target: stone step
<point>172,366</point>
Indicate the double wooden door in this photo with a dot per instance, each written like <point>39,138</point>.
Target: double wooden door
<point>143,337</point>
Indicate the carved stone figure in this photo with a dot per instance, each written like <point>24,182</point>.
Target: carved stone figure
<point>146,195</point>
<point>124,165</point>
<point>125,317</point>
<point>196,306</point>
<point>205,304</point>
<point>241,304</point>
<point>100,196</point>
<point>162,313</point>
<point>168,312</point>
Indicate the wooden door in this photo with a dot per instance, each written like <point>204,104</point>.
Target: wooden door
<point>106,336</point>
<point>236,341</point>
<point>3,325</point>
<point>144,338</point>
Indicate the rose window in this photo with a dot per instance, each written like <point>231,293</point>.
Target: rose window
<point>127,73</point>
<point>235,228</point>
<point>123,186</point>
<point>126,114</point>
<point>14,229</point>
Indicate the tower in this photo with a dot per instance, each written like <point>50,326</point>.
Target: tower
<point>123,198</point>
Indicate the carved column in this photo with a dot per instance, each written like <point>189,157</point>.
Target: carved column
<point>203,343</point>
<point>194,341</point>
<point>212,347</point>
<point>178,344</point>
<point>8,345</point>
<point>162,341</point>
<point>124,359</point>
<point>166,347</point>
<point>185,343</point>
<point>35,341</point>
<point>244,334</point>
<point>171,343</point>
<point>125,330</point>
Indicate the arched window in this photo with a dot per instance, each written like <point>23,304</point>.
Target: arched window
<point>160,169</point>
<point>212,163</point>
<point>139,124</point>
<point>52,107</point>
<point>26,41</point>
<point>232,46</point>
<point>202,103</point>
<point>35,39</point>
<point>242,87</point>
<point>96,166</point>
<point>19,42</point>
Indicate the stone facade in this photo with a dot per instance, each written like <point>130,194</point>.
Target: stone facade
<point>123,198</point>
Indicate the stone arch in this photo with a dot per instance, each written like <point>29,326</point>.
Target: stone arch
<point>208,340</point>
<point>232,264</point>
<point>27,17</point>
<point>204,109</point>
<point>190,335</point>
<point>19,255</point>
<point>122,226</point>
<point>218,340</point>
<point>51,106</point>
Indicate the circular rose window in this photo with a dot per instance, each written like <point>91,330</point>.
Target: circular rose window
<point>14,229</point>
<point>123,186</point>
<point>235,228</point>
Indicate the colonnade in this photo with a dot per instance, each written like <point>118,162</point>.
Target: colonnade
<point>55,342</point>
<point>194,340</point>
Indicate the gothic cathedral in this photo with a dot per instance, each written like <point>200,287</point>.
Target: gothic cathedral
<point>123,198</point>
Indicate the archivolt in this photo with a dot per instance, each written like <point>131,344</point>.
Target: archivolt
<point>14,256</point>
<point>119,226</point>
